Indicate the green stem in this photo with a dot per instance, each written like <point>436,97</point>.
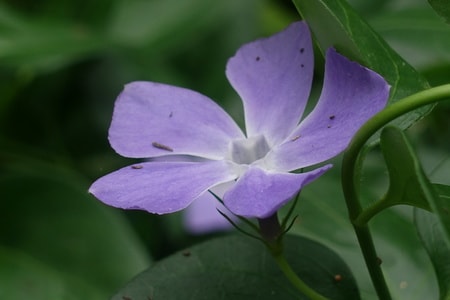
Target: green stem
<point>392,112</point>
<point>295,280</point>
<point>272,235</point>
<point>351,168</point>
<point>367,214</point>
<point>372,261</point>
<point>270,230</point>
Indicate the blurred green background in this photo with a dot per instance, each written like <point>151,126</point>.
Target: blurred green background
<point>62,63</point>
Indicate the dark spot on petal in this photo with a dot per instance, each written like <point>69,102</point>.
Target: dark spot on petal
<point>137,167</point>
<point>258,58</point>
<point>171,114</point>
<point>302,50</point>
<point>162,147</point>
<point>329,126</point>
<point>332,117</point>
<point>302,65</point>
<point>295,138</point>
<point>186,253</point>
<point>337,278</point>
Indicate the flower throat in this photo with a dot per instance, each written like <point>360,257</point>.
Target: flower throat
<point>246,151</point>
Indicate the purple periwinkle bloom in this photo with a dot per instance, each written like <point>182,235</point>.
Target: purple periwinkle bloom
<point>273,77</point>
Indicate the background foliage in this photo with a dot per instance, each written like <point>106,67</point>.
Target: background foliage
<point>62,63</point>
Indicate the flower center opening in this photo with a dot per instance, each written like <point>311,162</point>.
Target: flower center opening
<point>247,151</point>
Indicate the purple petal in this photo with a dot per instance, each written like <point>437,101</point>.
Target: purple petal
<point>273,77</point>
<point>160,187</point>
<point>351,95</point>
<point>152,119</point>
<point>202,216</point>
<point>260,194</point>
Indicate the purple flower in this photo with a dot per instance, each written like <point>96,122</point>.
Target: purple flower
<point>273,77</point>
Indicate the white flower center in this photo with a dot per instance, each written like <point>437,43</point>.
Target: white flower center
<point>247,151</point>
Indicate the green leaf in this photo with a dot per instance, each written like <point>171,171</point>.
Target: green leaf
<point>135,23</point>
<point>417,34</point>
<point>434,240</point>
<point>43,44</point>
<point>442,7</point>
<point>237,267</point>
<point>441,207</point>
<point>335,24</point>
<point>23,277</point>
<point>408,182</point>
<point>47,213</point>
<point>161,24</point>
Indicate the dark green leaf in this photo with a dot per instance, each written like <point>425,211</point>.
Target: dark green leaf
<point>335,24</point>
<point>237,267</point>
<point>170,22</point>
<point>43,45</point>
<point>136,23</point>
<point>433,238</point>
<point>442,7</point>
<point>23,277</point>
<point>47,213</point>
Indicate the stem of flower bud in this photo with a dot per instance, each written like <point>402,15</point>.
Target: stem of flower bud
<point>272,235</point>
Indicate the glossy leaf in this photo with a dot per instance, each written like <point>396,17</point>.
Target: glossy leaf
<point>238,267</point>
<point>434,240</point>
<point>47,213</point>
<point>335,24</point>
<point>442,7</point>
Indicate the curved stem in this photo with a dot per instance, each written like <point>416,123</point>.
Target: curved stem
<point>367,214</point>
<point>351,167</point>
<point>295,280</point>
<point>351,163</point>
